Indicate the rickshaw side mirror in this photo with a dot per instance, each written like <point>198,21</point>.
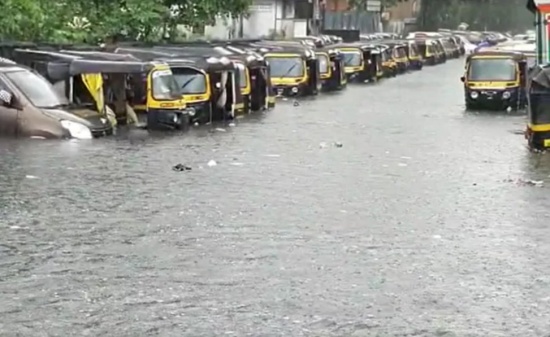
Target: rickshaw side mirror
<point>462,79</point>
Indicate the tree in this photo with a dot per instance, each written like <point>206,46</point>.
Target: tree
<point>91,20</point>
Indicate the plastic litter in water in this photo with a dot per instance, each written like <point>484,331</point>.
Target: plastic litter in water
<point>220,130</point>
<point>31,177</point>
<point>212,163</point>
<point>322,145</point>
<point>231,124</point>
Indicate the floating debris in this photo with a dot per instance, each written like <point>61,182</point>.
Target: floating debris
<point>181,167</point>
<point>402,164</point>
<point>220,130</point>
<point>272,155</point>
<point>296,103</point>
<point>322,145</point>
<point>338,144</point>
<point>212,163</point>
<point>231,124</point>
<point>31,177</point>
<point>524,182</point>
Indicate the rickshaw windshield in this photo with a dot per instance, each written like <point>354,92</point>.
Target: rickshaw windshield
<point>496,69</point>
<point>164,85</point>
<point>286,66</point>
<point>37,89</point>
<point>323,64</point>
<point>531,61</point>
<point>191,83</point>
<point>413,51</point>
<point>243,80</point>
<point>401,52</point>
<point>352,58</point>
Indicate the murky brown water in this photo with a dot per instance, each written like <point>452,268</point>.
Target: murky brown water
<point>412,228</point>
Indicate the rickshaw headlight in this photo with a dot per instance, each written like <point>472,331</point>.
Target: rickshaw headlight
<point>191,111</point>
<point>506,95</point>
<point>474,94</point>
<point>295,89</point>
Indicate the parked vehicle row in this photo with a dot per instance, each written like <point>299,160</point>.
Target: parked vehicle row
<point>68,91</point>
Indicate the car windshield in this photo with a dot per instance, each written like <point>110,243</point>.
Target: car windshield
<point>352,58</point>
<point>37,89</point>
<point>323,64</point>
<point>190,82</point>
<point>165,86</point>
<point>497,69</point>
<point>286,66</point>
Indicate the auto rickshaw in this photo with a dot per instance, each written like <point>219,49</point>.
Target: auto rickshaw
<point>495,80</point>
<point>31,107</point>
<point>398,54</point>
<point>427,51</point>
<point>440,53</point>
<point>156,88</point>
<point>254,80</point>
<point>360,61</point>
<point>389,66</point>
<point>331,69</point>
<point>538,108</point>
<point>209,85</point>
<point>294,70</point>
<point>414,55</point>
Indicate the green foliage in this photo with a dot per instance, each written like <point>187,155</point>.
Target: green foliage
<point>94,20</point>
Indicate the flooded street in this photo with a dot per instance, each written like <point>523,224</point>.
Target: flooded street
<point>416,226</point>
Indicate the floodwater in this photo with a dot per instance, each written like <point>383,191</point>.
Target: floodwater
<point>418,225</point>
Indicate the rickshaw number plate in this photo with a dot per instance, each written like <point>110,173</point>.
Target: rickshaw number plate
<point>546,143</point>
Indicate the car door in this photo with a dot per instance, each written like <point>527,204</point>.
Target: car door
<point>8,115</point>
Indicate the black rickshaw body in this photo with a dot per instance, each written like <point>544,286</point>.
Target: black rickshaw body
<point>427,51</point>
<point>294,69</point>
<point>415,57</point>
<point>214,94</point>
<point>146,89</point>
<point>331,69</point>
<point>398,54</point>
<point>254,81</point>
<point>538,108</point>
<point>389,66</point>
<point>359,61</point>
<point>485,88</point>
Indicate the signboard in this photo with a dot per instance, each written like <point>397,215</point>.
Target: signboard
<point>261,6</point>
<point>374,5</point>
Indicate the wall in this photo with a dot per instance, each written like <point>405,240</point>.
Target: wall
<point>266,16</point>
<point>401,15</point>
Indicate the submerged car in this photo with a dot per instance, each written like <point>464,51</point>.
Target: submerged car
<point>31,107</point>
